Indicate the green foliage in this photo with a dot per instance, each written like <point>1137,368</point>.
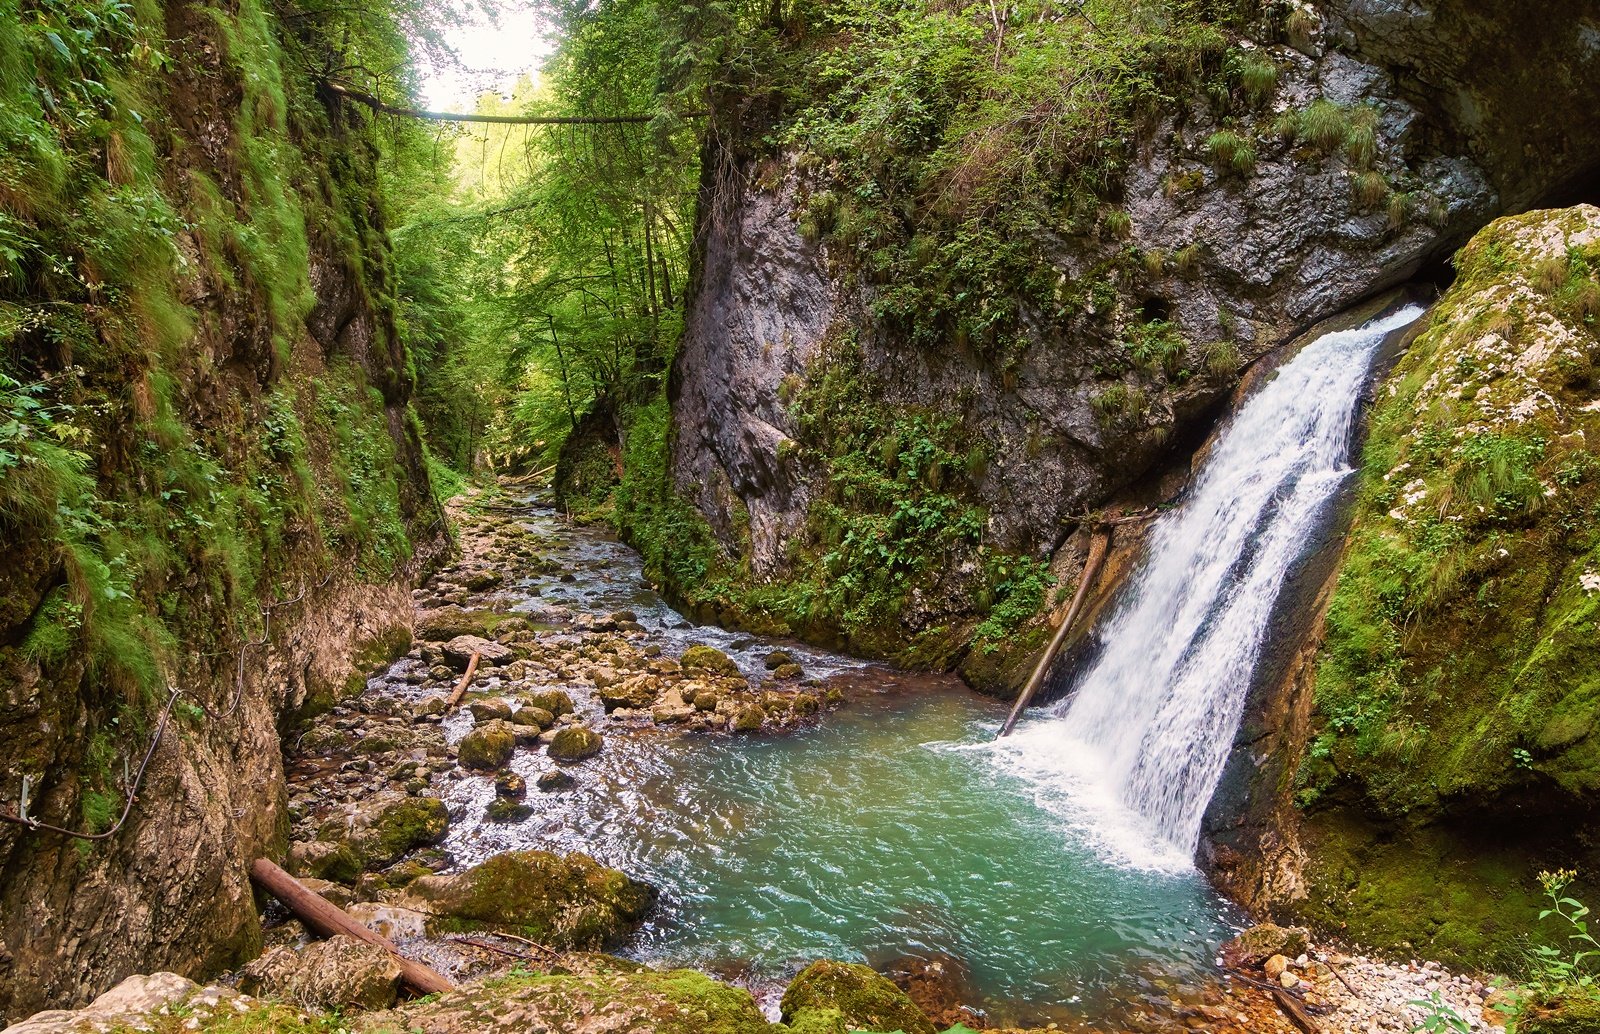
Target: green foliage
<point>1231,152</point>
<point>1156,344</point>
<point>1021,586</point>
<point>1438,1017</point>
<point>1573,969</point>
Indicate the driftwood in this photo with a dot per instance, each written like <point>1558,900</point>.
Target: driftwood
<point>1099,546</point>
<point>1291,1007</point>
<point>326,919</point>
<point>466,680</point>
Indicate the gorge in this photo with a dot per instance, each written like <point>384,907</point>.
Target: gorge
<point>614,518</point>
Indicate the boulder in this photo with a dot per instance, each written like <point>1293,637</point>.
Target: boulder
<point>708,658</point>
<point>556,701</point>
<point>863,999</point>
<point>386,825</point>
<point>575,743</point>
<point>488,708</point>
<point>482,581</point>
<point>459,651</point>
<point>789,672</point>
<point>529,715</point>
<point>749,718</point>
<point>616,999</point>
<point>122,1006</point>
<point>553,780</point>
<point>325,860</point>
<point>777,659</point>
<point>449,622</point>
<point>562,902</point>
<point>487,747</point>
<point>638,692</point>
<point>504,809</point>
<point>337,973</point>
<point>509,784</point>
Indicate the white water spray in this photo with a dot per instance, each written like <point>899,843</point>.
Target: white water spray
<point>1144,738</point>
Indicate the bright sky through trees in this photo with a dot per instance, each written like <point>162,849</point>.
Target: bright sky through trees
<point>494,52</point>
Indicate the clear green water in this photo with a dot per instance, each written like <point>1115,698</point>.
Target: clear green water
<point>873,836</point>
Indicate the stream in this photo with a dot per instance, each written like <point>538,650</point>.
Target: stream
<point>883,831</point>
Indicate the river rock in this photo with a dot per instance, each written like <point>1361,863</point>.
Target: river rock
<point>504,809</point>
<point>777,659</point>
<point>939,986</point>
<point>562,902</point>
<point>459,651</point>
<point>611,995</point>
<point>321,859</point>
<point>509,784</point>
<point>749,718</point>
<point>636,692</point>
<point>708,658</point>
<point>449,622</point>
<point>536,717</point>
<point>122,1006</point>
<point>575,743</point>
<point>1275,966</point>
<point>339,972</point>
<point>481,581</point>
<point>384,826</point>
<point>789,672</point>
<point>489,708</point>
<point>553,780</point>
<point>556,701</point>
<point>1259,943</point>
<point>488,747</point>
<point>864,1000</point>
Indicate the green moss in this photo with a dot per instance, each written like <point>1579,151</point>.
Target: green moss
<point>710,659</point>
<point>864,999</point>
<point>563,902</point>
<point>414,822</point>
<point>487,747</point>
<point>1457,680</point>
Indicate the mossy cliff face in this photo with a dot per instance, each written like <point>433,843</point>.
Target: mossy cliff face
<point>203,411</point>
<point>1445,739</point>
<point>922,340</point>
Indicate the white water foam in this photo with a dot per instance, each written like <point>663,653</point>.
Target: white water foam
<point>1134,754</point>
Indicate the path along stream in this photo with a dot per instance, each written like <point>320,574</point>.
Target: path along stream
<point>881,829</point>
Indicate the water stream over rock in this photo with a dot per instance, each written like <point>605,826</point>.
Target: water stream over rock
<point>1143,739</point>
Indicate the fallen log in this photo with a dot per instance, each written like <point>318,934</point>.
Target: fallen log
<point>1099,546</point>
<point>326,919</point>
<point>1291,1007</point>
<point>466,680</point>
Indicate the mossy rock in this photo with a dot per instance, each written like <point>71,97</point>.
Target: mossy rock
<point>412,822</point>
<point>530,715</point>
<point>1574,1016</point>
<point>632,1000</point>
<point>788,672</point>
<point>865,1000</point>
<point>556,701</point>
<point>749,719</point>
<point>487,747</point>
<point>322,860</point>
<point>708,658</point>
<point>446,623</point>
<point>562,902</point>
<point>575,743</point>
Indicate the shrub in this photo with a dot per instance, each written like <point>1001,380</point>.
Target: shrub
<point>1323,125</point>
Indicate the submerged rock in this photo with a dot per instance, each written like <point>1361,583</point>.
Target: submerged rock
<point>549,782</point>
<point>861,998</point>
<point>561,902</point>
<point>337,973</point>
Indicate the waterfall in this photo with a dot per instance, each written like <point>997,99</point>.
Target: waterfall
<point>1148,729</point>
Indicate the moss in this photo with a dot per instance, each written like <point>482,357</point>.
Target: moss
<point>487,747</point>
<point>1456,681</point>
<point>708,658</point>
<point>414,822</point>
<point>575,743</point>
<point>864,999</point>
<point>555,701</point>
<point>1578,1016</point>
<point>563,902</point>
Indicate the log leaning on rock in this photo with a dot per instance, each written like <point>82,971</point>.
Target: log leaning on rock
<point>326,919</point>
<point>1099,546</point>
<point>466,680</point>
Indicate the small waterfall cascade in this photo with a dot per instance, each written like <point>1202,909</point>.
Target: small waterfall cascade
<point>1148,729</point>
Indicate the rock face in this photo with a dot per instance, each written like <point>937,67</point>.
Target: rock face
<point>561,902</point>
<point>1450,693</point>
<point>1273,252</point>
<point>340,972</point>
<point>243,414</point>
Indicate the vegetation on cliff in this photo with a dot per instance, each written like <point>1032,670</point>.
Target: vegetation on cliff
<point>1456,685</point>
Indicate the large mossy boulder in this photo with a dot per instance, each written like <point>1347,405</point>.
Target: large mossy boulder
<point>556,701</point>
<point>618,999</point>
<point>488,747</point>
<point>378,832</point>
<point>560,901</point>
<point>857,996</point>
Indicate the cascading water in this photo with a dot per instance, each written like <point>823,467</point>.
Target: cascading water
<point>1148,730</point>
